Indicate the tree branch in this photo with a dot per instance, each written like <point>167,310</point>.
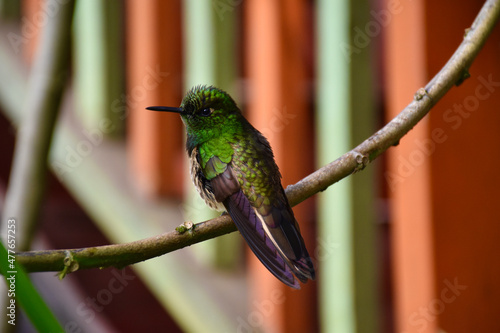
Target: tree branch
<point>46,85</point>
<point>453,73</point>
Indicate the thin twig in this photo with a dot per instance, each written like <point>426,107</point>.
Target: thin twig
<point>119,255</point>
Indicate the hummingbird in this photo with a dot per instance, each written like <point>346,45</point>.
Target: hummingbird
<point>233,169</point>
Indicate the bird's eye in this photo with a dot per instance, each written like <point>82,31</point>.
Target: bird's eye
<point>206,112</point>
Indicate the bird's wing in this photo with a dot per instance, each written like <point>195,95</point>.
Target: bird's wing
<point>270,231</point>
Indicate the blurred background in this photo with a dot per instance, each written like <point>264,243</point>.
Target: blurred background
<point>410,244</point>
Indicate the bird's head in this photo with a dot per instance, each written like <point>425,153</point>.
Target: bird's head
<point>207,112</point>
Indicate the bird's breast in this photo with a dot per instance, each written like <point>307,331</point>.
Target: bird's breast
<point>201,183</point>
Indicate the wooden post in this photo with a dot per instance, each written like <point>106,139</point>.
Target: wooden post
<point>99,64</point>
<point>278,67</point>
<point>32,12</point>
<point>154,68</point>
<point>211,29</point>
<point>408,187</point>
<point>347,214</point>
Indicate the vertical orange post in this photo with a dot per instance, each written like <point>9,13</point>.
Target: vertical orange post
<point>464,161</point>
<point>154,68</point>
<point>408,174</point>
<point>31,25</point>
<point>263,66</point>
<point>297,142</point>
<point>278,69</point>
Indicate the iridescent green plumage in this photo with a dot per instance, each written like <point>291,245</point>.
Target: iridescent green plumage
<point>233,168</point>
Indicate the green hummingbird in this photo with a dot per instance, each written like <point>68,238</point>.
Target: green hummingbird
<point>233,169</point>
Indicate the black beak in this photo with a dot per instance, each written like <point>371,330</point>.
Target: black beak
<point>164,109</point>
